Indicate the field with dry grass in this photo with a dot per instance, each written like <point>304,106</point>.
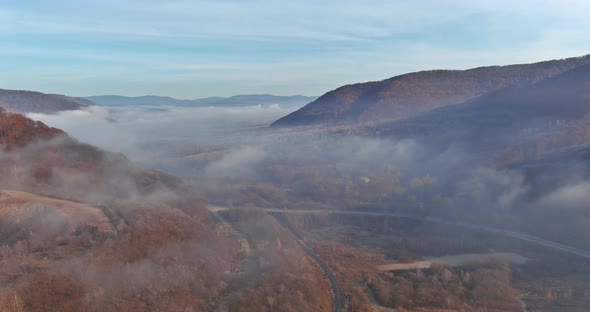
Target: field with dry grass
<point>22,207</point>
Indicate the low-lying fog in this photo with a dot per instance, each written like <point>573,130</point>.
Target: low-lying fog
<point>235,159</point>
<point>136,131</point>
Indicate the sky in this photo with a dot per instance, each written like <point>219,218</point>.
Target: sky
<point>194,49</point>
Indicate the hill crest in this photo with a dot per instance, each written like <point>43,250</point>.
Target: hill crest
<point>411,94</point>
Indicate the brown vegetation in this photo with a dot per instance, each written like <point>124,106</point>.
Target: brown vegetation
<point>109,235</point>
<point>410,94</point>
<point>287,279</point>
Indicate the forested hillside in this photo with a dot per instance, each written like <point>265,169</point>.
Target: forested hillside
<point>414,93</point>
<point>83,229</point>
<point>36,102</point>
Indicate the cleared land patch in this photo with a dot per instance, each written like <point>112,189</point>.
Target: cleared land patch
<point>455,260</point>
<point>24,207</point>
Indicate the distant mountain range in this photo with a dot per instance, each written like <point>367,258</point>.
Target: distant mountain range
<point>36,102</point>
<point>20,101</point>
<point>237,100</point>
<point>415,93</point>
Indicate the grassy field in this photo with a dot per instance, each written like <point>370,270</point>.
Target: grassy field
<point>21,206</point>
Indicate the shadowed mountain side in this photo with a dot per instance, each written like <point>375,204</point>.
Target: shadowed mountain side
<point>531,120</point>
<point>36,102</point>
<point>414,93</point>
<point>557,169</point>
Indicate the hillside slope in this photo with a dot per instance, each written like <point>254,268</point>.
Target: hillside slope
<point>84,229</point>
<point>22,207</point>
<point>531,120</point>
<point>73,216</point>
<point>414,93</point>
<point>36,102</point>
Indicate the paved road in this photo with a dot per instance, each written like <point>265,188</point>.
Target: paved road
<point>516,235</point>
<point>335,290</point>
<point>336,295</point>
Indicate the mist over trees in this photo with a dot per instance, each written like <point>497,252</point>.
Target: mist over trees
<point>508,153</point>
<point>148,243</point>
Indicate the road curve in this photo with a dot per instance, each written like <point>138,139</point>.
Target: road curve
<point>277,214</point>
<point>512,234</point>
<point>336,295</point>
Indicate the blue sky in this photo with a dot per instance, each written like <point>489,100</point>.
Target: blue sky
<point>192,49</point>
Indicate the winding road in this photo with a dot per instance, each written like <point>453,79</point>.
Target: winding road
<point>335,290</point>
<point>516,235</point>
<point>336,295</point>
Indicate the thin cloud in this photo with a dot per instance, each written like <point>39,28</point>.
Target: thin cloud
<point>193,49</point>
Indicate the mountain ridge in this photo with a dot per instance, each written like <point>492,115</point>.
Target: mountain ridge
<point>410,94</point>
<point>23,101</point>
<point>236,100</point>
<point>545,116</point>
